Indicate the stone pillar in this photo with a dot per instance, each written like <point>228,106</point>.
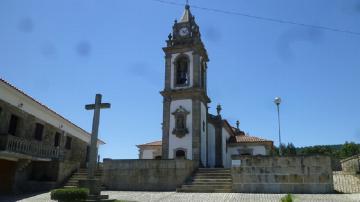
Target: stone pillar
<point>167,71</point>
<point>196,69</point>
<point>218,142</point>
<point>166,128</point>
<point>196,130</point>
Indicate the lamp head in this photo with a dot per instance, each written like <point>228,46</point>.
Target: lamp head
<point>277,100</point>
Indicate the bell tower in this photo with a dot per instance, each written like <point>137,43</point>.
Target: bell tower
<point>185,92</point>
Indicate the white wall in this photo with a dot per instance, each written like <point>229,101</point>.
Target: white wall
<point>203,134</point>
<point>224,138</point>
<point>17,99</point>
<point>148,154</point>
<point>211,145</point>
<point>173,57</point>
<point>234,150</point>
<point>186,141</point>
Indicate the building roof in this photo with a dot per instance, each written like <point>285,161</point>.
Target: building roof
<point>247,138</point>
<point>186,15</point>
<point>155,143</point>
<point>47,108</point>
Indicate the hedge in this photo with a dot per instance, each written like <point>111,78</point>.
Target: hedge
<point>69,194</point>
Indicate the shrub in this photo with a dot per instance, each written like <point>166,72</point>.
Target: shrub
<point>287,198</point>
<point>69,194</point>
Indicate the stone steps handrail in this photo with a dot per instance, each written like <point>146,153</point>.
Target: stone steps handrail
<point>33,148</point>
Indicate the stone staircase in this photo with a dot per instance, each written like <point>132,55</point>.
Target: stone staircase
<point>346,182</point>
<point>209,180</point>
<point>81,174</point>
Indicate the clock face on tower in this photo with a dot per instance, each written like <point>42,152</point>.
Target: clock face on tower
<point>183,31</point>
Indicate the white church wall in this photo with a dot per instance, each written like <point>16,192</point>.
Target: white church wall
<point>173,57</point>
<point>17,99</point>
<point>211,145</point>
<point>203,123</point>
<point>225,157</point>
<point>148,154</point>
<point>186,141</point>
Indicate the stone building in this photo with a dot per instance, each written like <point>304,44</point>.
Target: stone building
<point>151,150</point>
<point>189,130</point>
<point>39,149</point>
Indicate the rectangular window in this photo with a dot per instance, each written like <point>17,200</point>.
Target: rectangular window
<point>68,142</point>
<point>57,139</point>
<point>13,124</point>
<point>39,129</point>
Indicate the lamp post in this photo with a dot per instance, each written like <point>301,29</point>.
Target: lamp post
<point>277,101</point>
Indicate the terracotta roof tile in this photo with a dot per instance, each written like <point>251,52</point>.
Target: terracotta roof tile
<point>247,138</point>
<point>155,143</point>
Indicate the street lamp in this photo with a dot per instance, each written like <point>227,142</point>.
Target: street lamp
<point>277,101</point>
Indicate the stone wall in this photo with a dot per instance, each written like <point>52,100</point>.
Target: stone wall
<point>144,174</point>
<point>351,164</point>
<point>39,175</point>
<point>269,174</point>
<point>26,127</point>
<point>66,169</point>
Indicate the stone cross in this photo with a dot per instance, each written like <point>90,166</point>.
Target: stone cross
<point>94,134</point>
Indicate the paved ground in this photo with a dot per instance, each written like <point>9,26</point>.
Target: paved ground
<point>208,197</point>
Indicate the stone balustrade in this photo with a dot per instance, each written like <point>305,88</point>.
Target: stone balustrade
<point>15,144</point>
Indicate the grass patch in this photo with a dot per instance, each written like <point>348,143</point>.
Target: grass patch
<point>287,198</point>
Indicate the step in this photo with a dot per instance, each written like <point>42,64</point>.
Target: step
<point>211,177</point>
<point>209,190</point>
<point>211,183</point>
<point>207,186</point>
<point>82,178</point>
<point>69,186</point>
<point>211,180</point>
<point>214,171</point>
<point>97,197</point>
<point>96,174</point>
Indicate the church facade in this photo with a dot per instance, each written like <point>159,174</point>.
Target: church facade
<point>188,130</point>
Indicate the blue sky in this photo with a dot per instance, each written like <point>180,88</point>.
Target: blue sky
<point>64,52</point>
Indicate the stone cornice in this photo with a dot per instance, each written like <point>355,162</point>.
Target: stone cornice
<point>199,48</point>
<point>189,93</point>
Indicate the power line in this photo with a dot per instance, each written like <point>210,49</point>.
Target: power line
<point>262,18</point>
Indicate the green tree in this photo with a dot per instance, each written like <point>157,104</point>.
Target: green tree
<point>290,149</point>
<point>349,149</point>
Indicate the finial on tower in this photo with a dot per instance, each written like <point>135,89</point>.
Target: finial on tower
<point>186,17</point>
<point>237,124</point>
<point>187,6</point>
<point>218,109</point>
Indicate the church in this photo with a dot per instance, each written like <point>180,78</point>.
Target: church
<point>189,131</point>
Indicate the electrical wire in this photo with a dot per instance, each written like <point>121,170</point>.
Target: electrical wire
<point>262,18</point>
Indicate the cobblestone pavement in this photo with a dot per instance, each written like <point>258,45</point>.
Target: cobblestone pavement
<point>207,197</point>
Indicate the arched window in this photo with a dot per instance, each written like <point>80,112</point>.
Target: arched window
<point>182,71</point>
<point>180,154</point>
